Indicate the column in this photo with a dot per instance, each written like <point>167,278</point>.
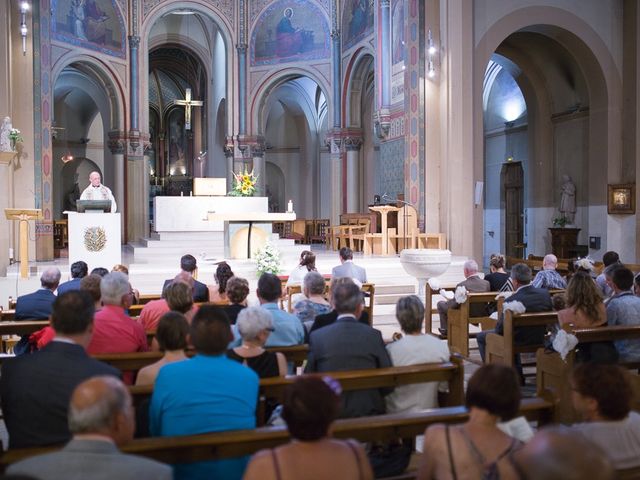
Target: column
<point>116,146</point>
<point>385,57</point>
<point>352,146</point>
<point>241,47</point>
<point>259,167</point>
<point>6,159</point>
<point>338,202</point>
<point>228,154</point>
<point>336,60</point>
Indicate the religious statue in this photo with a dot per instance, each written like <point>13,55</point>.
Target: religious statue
<point>568,199</point>
<point>5,130</point>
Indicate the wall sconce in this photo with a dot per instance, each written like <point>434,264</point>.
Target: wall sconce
<point>24,8</point>
<point>431,50</point>
<point>67,157</point>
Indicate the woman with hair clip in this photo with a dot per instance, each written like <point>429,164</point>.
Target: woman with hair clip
<point>498,278</point>
<point>307,264</point>
<point>218,292</point>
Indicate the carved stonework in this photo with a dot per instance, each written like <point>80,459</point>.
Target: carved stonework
<point>134,41</point>
<point>229,147</point>
<point>134,142</point>
<point>116,142</point>
<point>382,123</point>
<point>225,7</point>
<point>352,143</point>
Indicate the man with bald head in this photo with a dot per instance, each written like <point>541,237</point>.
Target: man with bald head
<point>549,277</point>
<point>97,191</point>
<point>101,419</point>
<point>37,305</point>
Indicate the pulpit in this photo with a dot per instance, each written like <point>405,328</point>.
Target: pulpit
<point>23,215</point>
<point>94,237</point>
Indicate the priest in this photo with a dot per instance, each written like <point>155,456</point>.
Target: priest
<point>97,191</point>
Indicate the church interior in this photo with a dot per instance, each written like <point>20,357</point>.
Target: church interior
<point>467,127</point>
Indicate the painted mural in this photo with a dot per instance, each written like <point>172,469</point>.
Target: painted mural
<point>92,24</point>
<point>290,31</point>
<point>357,21</point>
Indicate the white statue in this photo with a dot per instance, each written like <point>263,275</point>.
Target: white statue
<point>5,141</point>
<point>568,199</point>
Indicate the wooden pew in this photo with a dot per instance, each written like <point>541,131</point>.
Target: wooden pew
<point>8,315</point>
<point>429,308</point>
<point>502,349</point>
<point>215,446</point>
<point>553,373</point>
<point>22,327</point>
<point>459,320</point>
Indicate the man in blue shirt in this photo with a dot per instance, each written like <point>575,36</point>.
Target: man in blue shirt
<point>624,309</point>
<point>288,328</point>
<point>79,270</point>
<point>549,277</point>
<point>207,393</point>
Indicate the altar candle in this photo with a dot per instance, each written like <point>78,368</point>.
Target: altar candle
<point>290,207</point>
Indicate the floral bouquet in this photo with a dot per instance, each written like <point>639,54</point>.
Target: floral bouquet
<point>268,260</point>
<point>244,184</point>
<point>15,136</point>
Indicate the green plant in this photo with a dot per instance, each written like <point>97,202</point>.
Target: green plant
<point>560,222</point>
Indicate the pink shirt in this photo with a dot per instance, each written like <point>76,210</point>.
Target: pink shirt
<point>115,332</point>
<point>151,313</point>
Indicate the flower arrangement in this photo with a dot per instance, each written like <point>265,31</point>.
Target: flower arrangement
<point>244,184</point>
<point>585,263</point>
<point>268,260</point>
<point>560,221</point>
<point>15,136</point>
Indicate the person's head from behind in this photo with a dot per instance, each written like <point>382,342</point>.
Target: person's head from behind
<point>610,258</point>
<point>255,324</point>
<point>50,278</point>
<point>269,288</point>
<point>91,285</point>
<point>188,263</point>
<point>346,297</point>
<point>72,316</point>
<point>601,392</point>
<point>550,262</point>
<point>622,279</point>
<point>520,275</point>
<point>79,269</point>
<point>172,332</point>
<point>636,285</point>
<point>582,293</point>
<point>345,254</point>
<point>494,388</point>
<point>470,268</point>
<point>179,297</point>
<point>101,271</point>
<point>222,275</point>
<point>313,284</point>
<point>557,453</point>
<point>118,267</point>
<point>496,262</point>
<point>116,290</point>
<point>410,314</point>
<point>102,406</point>
<point>310,405</point>
<point>237,290</point>
<point>308,259</point>
<point>210,330</point>
<point>558,302</point>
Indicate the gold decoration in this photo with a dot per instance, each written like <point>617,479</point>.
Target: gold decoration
<point>95,239</point>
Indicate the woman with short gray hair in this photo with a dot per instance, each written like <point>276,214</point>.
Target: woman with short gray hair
<point>314,303</point>
<point>255,325</point>
<point>414,348</point>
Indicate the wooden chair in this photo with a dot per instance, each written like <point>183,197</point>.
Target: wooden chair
<point>320,231</point>
<point>357,234</point>
<point>460,319</point>
<point>430,308</point>
<point>430,240</point>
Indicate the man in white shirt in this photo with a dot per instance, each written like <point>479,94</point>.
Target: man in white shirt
<point>97,191</point>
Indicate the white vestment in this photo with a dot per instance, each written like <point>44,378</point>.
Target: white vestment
<point>99,193</point>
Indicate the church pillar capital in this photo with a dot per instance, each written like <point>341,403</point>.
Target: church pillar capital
<point>117,142</point>
<point>229,147</point>
<point>382,122</point>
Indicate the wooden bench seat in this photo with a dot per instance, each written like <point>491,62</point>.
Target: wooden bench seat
<point>460,319</point>
<point>553,373</point>
<point>215,446</point>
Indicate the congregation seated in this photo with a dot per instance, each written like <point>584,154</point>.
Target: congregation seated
<point>602,395</point>
<point>100,271</point>
<point>174,298</point>
<point>37,305</point>
<point>350,345</point>
<point>477,448</point>
<point>255,325</point>
<point>623,308</point>
<point>636,285</point>
<point>91,285</point>
<point>532,298</point>
<point>101,420</point>
<point>307,264</point>
<point>313,303</point>
<point>118,267</point>
<point>189,266</point>
<point>549,277</point>
<point>414,348</point>
<point>609,259</point>
<point>499,280</point>
<point>237,292</point>
<point>347,268</point>
<point>206,393</point>
<point>217,292</point>
<point>310,406</point>
<point>114,331</point>
<point>584,306</point>
<point>473,284</point>
<point>79,270</point>
<point>171,336</point>
<point>35,389</point>
<point>287,328</point>
<point>557,453</point>
<point>325,319</point>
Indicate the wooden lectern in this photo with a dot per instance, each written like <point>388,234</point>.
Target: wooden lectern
<point>23,215</point>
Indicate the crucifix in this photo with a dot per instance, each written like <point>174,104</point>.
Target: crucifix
<point>188,103</point>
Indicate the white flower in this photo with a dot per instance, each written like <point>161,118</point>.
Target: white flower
<point>461,294</point>
<point>564,342</point>
<point>514,306</point>
<point>446,294</point>
<point>584,263</point>
<point>504,295</point>
<point>434,283</point>
<point>268,260</point>
<point>494,316</point>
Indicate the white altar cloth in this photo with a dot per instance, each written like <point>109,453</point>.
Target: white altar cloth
<point>189,214</point>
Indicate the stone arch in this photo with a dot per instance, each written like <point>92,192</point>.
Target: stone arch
<point>354,86</point>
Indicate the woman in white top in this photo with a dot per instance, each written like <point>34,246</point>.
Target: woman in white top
<point>307,264</point>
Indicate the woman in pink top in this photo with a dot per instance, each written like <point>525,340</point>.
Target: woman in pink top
<point>585,308</point>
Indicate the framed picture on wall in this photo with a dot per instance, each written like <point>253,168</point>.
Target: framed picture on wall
<point>622,199</point>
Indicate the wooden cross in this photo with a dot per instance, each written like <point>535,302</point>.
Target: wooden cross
<point>188,103</point>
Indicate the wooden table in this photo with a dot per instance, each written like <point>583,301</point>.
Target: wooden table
<point>384,211</point>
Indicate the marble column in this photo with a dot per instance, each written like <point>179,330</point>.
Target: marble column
<point>385,53</point>
<point>352,146</point>
<point>241,48</point>
<point>338,204</point>
<point>134,43</point>
<point>336,60</point>
<point>259,168</point>
<point>117,146</point>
